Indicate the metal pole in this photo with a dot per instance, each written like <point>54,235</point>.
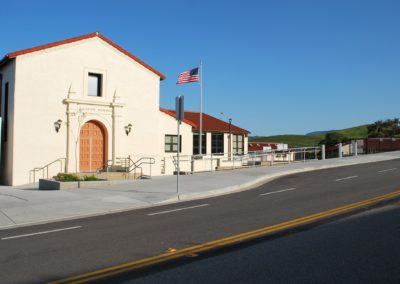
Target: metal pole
<point>201,110</point>
<point>180,114</point>
<point>340,150</point>
<point>177,160</point>
<point>322,152</point>
<point>230,139</point>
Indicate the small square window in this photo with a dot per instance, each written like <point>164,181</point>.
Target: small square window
<point>94,85</point>
<point>171,143</point>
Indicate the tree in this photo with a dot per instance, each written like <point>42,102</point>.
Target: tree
<point>334,138</point>
<point>384,128</point>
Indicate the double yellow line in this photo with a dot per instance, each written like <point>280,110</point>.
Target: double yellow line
<point>224,242</point>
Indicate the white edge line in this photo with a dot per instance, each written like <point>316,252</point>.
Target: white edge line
<point>350,177</point>
<point>40,233</point>
<point>283,190</point>
<point>178,209</point>
<point>387,170</point>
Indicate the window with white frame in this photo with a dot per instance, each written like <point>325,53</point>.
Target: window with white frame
<point>171,143</point>
<point>238,144</point>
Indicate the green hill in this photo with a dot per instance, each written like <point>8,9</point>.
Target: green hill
<point>355,132</point>
<point>310,140</point>
<point>291,140</point>
<point>314,133</point>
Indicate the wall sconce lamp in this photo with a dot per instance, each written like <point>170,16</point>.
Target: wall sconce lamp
<point>57,125</point>
<point>128,129</point>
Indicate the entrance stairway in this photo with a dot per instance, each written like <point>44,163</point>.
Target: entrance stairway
<point>126,168</point>
<point>122,169</point>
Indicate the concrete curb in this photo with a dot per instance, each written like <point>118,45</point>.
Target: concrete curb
<point>257,182</point>
<point>202,195</point>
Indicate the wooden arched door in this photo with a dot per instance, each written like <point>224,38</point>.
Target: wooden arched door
<point>92,147</point>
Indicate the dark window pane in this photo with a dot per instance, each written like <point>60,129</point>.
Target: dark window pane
<point>1,96</point>
<point>196,143</point>
<point>217,143</point>
<point>6,106</point>
<point>94,85</point>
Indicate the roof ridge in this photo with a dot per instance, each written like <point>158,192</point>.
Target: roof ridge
<point>39,47</point>
<point>172,113</point>
<point>14,54</point>
<point>194,121</point>
<point>191,111</point>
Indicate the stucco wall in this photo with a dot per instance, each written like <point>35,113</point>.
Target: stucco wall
<point>165,160</point>
<point>46,78</point>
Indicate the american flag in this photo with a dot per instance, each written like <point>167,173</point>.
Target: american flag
<point>189,76</point>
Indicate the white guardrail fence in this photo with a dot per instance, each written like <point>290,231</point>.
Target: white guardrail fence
<point>166,165</point>
<point>226,161</point>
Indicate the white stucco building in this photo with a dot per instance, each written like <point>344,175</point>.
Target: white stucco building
<point>85,103</point>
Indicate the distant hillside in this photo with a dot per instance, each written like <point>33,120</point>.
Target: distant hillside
<point>355,132</point>
<point>311,139</point>
<point>318,133</point>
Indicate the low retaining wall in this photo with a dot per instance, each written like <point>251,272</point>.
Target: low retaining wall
<point>50,184</point>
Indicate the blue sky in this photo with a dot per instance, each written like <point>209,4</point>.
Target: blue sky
<point>274,67</point>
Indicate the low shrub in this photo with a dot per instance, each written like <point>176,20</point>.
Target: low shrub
<point>90,178</point>
<point>73,177</point>
<point>66,177</point>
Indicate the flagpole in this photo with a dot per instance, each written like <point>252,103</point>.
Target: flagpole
<point>201,111</point>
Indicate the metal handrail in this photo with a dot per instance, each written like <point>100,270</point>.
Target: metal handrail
<point>130,165</point>
<point>37,169</point>
<point>138,164</point>
<point>105,166</point>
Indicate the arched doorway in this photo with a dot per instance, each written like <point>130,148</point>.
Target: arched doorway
<point>93,145</point>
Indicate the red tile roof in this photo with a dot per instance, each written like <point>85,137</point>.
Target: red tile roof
<point>210,123</point>
<point>255,147</point>
<point>259,146</point>
<point>172,113</point>
<point>14,54</point>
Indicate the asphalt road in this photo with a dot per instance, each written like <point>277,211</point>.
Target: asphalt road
<point>58,250</point>
<point>364,248</point>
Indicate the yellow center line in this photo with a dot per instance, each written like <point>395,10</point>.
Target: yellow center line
<point>228,241</point>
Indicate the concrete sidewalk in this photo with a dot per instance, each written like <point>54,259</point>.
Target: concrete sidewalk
<point>22,206</point>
